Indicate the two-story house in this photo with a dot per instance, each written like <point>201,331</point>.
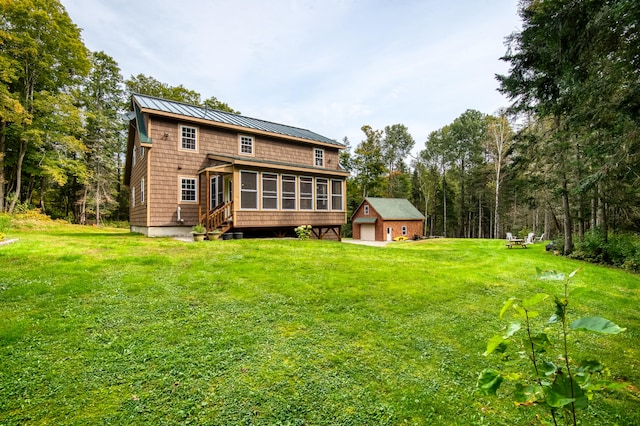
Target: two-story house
<point>188,164</point>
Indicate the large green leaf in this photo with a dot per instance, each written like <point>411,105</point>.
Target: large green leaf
<point>527,395</point>
<point>563,391</point>
<point>506,306</point>
<point>493,343</point>
<point>489,381</point>
<point>534,300</point>
<point>549,275</point>
<point>597,324</point>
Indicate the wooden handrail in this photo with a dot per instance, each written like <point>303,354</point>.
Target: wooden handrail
<point>215,218</point>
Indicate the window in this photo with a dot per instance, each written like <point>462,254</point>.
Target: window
<point>133,196</point>
<point>322,194</point>
<point>318,157</point>
<point>217,191</point>
<point>404,230</point>
<point>142,191</point>
<point>306,193</point>
<point>288,192</point>
<point>188,190</point>
<point>246,145</point>
<point>134,156</point>
<point>366,209</point>
<point>142,152</point>
<point>336,195</point>
<point>269,191</point>
<point>248,190</point>
<point>188,138</point>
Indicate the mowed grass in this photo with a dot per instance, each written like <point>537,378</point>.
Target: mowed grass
<point>99,326</point>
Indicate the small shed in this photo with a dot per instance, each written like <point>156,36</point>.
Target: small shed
<point>383,219</point>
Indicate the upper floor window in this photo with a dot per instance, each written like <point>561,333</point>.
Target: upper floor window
<point>142,152</point>
<point>246,145</point>
<point>366,209</point>
<point>248,190</point>
<point>188,138</point>
<point>188,190</point>
<point>134,156</point>
<point>318,155</point>
<point>288,192</point>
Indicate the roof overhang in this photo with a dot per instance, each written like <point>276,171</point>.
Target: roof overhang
<point>362,220</point>
<point>230,161</point>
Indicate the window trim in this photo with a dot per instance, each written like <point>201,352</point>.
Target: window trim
<point>366,209</point>
<point>295,192</point>
<point>317,157</point>
<point>256,191</point>
<point>262,190</point>
<point>311,198</point>
<point>181,146</point>
<point>253,145</point>
<point>332,195</point>
<point>404,230</point>
<point>142,191</point>
<point>180,189</point>
<point>318,199</point>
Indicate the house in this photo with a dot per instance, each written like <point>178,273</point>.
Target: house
<point>188,164</point>
<point>383,219</point>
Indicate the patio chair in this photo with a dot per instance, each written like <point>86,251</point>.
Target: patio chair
<point>541,237</point>
<point>509,236</point>
<point>530,238</point>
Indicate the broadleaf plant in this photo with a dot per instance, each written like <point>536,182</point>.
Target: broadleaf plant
<point>554,380</point>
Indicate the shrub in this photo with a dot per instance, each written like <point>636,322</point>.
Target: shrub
<point>303,231</point>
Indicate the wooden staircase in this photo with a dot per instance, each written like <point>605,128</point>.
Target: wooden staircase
<point>218,218</point>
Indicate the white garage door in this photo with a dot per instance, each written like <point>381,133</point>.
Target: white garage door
<point>368,232</point>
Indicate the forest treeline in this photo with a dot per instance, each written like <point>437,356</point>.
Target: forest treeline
<point>562,159</point>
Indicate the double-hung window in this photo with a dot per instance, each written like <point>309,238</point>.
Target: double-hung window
<point>134,156</point>
<point>248,190</point>
<point>336,195</point>
<point>133,196</point>
<point>142,191</point>
<point>269,191</point>
<point>306,193</point>
<point>318,155</point>
<point>288,192</point>
<point>188,190</point>
<point>188,138</point>
<point>322,194</point>
<point>246,145</point>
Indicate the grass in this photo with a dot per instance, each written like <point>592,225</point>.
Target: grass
<point>99,326</point>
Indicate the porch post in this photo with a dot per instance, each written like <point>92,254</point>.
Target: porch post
<point>207,206</point>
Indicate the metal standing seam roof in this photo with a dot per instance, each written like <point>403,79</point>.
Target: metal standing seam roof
<point>394,208</point>
<point>164,105</point>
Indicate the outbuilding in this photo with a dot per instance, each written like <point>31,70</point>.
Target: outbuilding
<point>383,219</point>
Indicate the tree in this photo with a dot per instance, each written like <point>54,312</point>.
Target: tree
<point>396,146</point>
<point>43,47</point>
<point>368,163</point>
<point>102,95</point>
<point>498,142</point>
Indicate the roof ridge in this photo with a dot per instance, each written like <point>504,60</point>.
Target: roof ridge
<point>219,111</point>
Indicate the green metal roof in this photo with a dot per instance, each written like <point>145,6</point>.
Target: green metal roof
<point>365,220</point>
<point>394,208</point>
<point>187,110</point>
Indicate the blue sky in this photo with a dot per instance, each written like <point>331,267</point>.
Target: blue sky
<point>330,66</point>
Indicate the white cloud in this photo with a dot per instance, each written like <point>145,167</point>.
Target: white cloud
<point>329,66</point>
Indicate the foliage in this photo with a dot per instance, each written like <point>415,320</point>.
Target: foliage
<point>197,229</point>
<point>556,379</point>
<point>303,232</point>
<point>620,250</point>
<point>99,325</point>
<point>5,224</point>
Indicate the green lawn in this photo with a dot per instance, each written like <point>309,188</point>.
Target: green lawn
<point>99,326</point>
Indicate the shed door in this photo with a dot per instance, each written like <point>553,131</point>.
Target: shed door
<point>368,232</point>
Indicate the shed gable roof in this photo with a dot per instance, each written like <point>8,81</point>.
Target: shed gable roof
<point>216,116</point>
<point>394,208</point>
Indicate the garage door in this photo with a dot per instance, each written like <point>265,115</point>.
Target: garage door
<point>368,232</point>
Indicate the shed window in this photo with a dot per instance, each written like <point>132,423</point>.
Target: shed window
<point>188,192</point>
<point>269,191</point>
<point>366,209</point>
<point>248,190</point>
<point>306,193</point>
<point>404,230</point>
<point>288,192</point>
<point>188,138</point>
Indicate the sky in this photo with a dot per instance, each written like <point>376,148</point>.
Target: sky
<point>330,66</point>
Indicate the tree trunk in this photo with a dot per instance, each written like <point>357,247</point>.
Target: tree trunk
<point>603,220</point>
<point>444,208</point>
<point>3,148</point>
<point>568,224</point>
<point>21,154</point>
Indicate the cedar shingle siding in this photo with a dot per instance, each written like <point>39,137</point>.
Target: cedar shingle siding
<point>218,152</point>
